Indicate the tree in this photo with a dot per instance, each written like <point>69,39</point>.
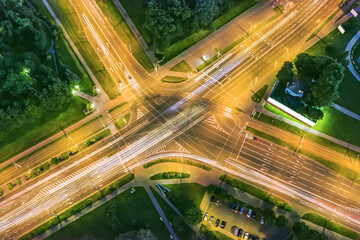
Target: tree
<point>112,219</point>
<point>145,234</point>
<point>301,230</point>
<point>209,235</point>
<point>268,213</point>
<point>204,14</point>
<point>314,113</point>
<point>281,221</point>
<point>285,74</point>
<point>219,192</point>
<point>193,216</point>
<point>304,64</point>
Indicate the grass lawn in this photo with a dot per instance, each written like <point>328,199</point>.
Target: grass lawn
<point>331,225</point>
<point>193,191</point>
<point>219,235</point>
<point>22,138</point>
<point>182,230</point>
<point>169,175</point>
<point>136,211</point>
<point>182,67</point>
<point>110,10</point>
<point>136,10</point>
<point>172,79</point>
<point>122,121</point>
<point>339,125</point>
<point>188,162</point>
<point>277,111</point>
<point>348,90</point>
<point>260,94</point>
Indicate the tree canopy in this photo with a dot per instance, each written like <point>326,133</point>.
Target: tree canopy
<point>28,85</point>
<point>303,232</point>
<point>193,215</point>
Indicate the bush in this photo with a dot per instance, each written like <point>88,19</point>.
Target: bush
<point>303,232</point>
<point>1,192</point>
<point>64,156</point>
<point>54,161</point>
<point>73,151</point>
<point>281,221</point>
<point>10,186</point>
<point>18,180</point>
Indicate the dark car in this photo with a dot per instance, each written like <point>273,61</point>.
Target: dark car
<point>240,233</point>
<point>232,206</point>
<point>217,222</point>
<point>223,224</point>
<point>251,237</point>
<point>212,199</point>
<point>256,238</point>
<point>253,215</point>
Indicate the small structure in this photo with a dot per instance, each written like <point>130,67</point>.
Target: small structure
<point>295,87</point>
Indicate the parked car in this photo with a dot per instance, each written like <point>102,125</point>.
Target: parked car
<point>232,206</point>
<point>212,199</point>
<point>251,237</point>
<point>223,224</point>
<point>262,221</point>
<point>217,222</point>
<point>240,233</point>
<point>206,216</point>
<point>256,238</point>
<point>241,210</point>
<point>246,236</point>
<point>236,209</point>
<point>211,219</point>
<point>253,215</point>
<point>249,213</point>
<point>236,231</point>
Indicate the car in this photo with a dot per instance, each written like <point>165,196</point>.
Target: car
<point>249,213</point>
<point>212,199</point>
<point>246,236</point>
<point>211,219</point>
<point>236,209</point>
<point>253,215</point>
<point>223,224</point>
<point>241,210</point>
<point>262,221</point>
<point>236,231</point>
<point>232,206</point>
<point>256,238</point>
<point>240,233</point>
<point>206,216</point>
<point>255,138</point>
<point>217,222</point>
<point>251,237</point>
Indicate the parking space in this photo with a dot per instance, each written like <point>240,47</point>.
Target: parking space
<point>233,219</point>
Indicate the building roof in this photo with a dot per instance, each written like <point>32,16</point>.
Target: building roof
<point>296,87</point>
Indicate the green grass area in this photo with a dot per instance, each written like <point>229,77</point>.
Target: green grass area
<point>172,79</point>
<point>344,171</point>
<point>123,121</point>
<point>123,31</point>
<point>88,223</point>
<point>219,235</point>
<point>257,192</point>
<point>180,193</point>
<point>348,89</point>
<point>118,106</point>
<point>182,67</point>
<point>169,175</point>
<point>188,162</point>
<point>22,138</point>
<point>331,225</point>
<point>71,22</point>
<point>182,230</point>
<point>279,112</point>
<point>259,94</point>
<point>339,125</point>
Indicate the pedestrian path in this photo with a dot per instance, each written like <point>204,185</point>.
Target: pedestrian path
<point>346,111</point>
<point>83,95</point>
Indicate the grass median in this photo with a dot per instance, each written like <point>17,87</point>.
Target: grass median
<point>169,175</point>
<point>172,79</point>
<point>182,67</point>
<point>188,162</point>
<point>257,192</point>
<point>331,225</point>
<point>81,227</point>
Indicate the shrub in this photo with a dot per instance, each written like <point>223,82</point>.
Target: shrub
<point>64,156</point>
<point>18,180</point>
<point>1,192</point>
<point>54,161</point>
<point>10,186</point>
<point>281,221</point>
<point>73,151</point>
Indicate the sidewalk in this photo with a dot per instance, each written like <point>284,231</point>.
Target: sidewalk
<point>346,111</point>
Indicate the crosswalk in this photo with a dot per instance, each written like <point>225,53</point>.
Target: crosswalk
<point>211,121</point>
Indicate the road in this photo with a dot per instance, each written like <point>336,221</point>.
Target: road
<point>224,82</point>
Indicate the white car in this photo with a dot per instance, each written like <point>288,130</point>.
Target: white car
<point>246,236</point>
<point>206,216</point>
<point>249,213</point>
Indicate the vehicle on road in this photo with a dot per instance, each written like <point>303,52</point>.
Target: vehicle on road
<point>241,210</point>
<point>211,219</point>
<point>206,216</point>
<point>249,213</point>
<point>240,233</point>
<point>217,222</point>
<point>255,138</point>
<point>223,224</point>
<point>232,207</point>
<point>262,221</point>
<point>246,236</point>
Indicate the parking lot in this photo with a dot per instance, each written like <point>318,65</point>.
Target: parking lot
<point>248,224</point>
